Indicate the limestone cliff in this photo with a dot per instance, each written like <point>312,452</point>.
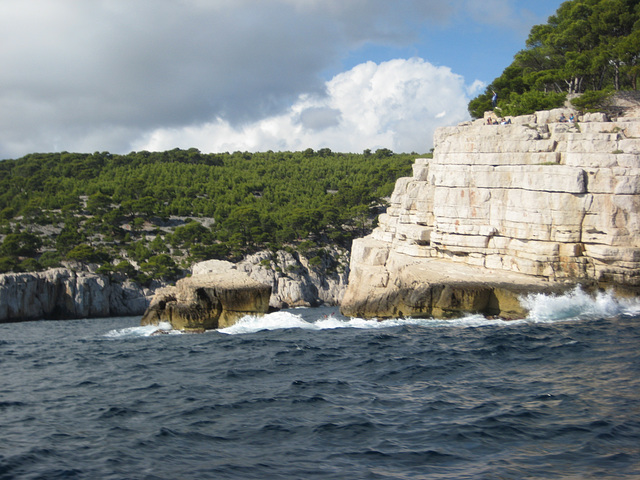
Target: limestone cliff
<point>216,296</point>
<point>503,209</point>
<point>295,282</point>
<point>63,294</point>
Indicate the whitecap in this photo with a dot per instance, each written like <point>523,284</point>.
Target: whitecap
<point>466,321</point>
<point>141,331</point>
<point>270,321</point>
<point>287,319</point>
<point>577,305</point>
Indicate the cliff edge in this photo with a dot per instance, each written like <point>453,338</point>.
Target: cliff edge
<point>535,205</point>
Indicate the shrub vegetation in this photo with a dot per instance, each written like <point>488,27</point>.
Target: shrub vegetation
<point>143,215</point>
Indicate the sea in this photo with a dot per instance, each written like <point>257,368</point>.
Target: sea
<point>310,394</point>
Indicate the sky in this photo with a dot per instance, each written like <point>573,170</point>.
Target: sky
<point>248,75</point>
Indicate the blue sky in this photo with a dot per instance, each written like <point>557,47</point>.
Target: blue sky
<point>227,75</point>
<point>472,45</point>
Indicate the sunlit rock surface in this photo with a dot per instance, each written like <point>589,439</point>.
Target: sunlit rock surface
<point>534,205</point>
<point>216,296</point>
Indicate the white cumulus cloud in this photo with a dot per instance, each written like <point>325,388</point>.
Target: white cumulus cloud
<point>396,104</point>
<point>116,74</point>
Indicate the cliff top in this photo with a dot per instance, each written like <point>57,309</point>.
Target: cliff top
<point>218,273</point>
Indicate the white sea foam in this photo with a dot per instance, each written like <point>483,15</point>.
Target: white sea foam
<point>141,331</point>
<point>283,320</point>
<point>577,305</point>
<point>466,321</point>
<point>271,321</point>
<point>572,306</point>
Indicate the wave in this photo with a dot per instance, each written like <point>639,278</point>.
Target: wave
<point>283,320</point>
<point>578,305</point>
<point>142,331</point>
<point>572,306</point>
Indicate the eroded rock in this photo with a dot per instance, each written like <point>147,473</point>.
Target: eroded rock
<point>534,205</point>
<point>216,296</point>
<point>61,293</point>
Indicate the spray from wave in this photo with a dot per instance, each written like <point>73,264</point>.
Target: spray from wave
<point>282,320</point>
<point>578,305</point>
<point>572,306</point>
<point>142,331</point>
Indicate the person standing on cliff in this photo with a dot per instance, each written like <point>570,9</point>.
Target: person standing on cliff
<point>494,99</point>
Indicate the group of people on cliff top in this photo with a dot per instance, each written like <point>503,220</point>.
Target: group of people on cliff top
<point>502,121</point>
<point>563,119</point>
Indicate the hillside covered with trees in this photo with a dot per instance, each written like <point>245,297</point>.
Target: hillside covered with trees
<point>589,47</point>
<point>147,215</point>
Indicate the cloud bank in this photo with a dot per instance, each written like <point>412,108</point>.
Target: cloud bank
<point>396,104</point>
<point>120,75</point>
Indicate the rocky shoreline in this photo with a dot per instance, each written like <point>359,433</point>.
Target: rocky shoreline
<point>215,298</point>
<point>65,293</point>
<point>535,205</point>
<point>532,205</point>
<point>61,294</point>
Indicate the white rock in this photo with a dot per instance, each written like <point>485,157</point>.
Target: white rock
<point>545,199</point>
<point>62,293</point>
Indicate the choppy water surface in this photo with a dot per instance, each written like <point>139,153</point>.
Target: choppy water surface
<point>305,394</point>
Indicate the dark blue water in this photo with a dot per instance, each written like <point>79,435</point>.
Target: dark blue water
<point>297,395</point>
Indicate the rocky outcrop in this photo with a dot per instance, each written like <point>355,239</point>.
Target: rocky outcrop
<point>216,296</point>
<point>297,281</point>
<point>68,293</point>
<point>65,294</point>
<point>534,205</point>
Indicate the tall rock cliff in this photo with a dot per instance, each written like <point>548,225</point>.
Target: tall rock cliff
<point>534,205</point>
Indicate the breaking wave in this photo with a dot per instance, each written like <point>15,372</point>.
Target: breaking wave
<point>572,306</point>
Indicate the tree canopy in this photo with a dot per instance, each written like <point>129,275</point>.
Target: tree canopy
<point>162,209</point>
<point>587,45</point>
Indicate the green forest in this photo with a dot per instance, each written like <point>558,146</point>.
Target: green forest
<point>149,215</point>
<point>588,47</point>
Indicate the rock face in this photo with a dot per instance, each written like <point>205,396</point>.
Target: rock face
<point>216,296</point>
<point>295,282</point>
<point>63,294</point>
<point>535,205</point>
<point>66,294</point>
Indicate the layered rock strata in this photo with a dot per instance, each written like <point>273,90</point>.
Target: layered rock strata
<point>60,293</point>
<point>216,296</point>
<point>294,281</point>
<point>534,205</point>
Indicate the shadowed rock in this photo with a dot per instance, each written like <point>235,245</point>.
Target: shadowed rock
<point>216,299</point>
<point>60,293</point>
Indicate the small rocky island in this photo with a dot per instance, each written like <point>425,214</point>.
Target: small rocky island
<point>531,205</point>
